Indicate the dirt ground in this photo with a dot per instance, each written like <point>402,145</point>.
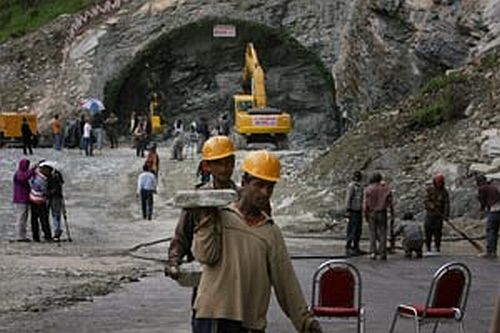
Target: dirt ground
<point>49,287</point>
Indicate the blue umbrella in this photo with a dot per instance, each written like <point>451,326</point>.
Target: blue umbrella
<point>92,104</point>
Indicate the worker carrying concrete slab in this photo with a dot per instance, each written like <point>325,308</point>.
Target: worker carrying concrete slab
<point>218,152</point>
<point>244,254</point>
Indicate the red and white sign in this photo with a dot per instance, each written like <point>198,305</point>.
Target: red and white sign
<point>264,121</point>
<point>224,30</point>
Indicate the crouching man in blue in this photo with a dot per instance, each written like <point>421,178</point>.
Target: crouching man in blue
<point>243,255</point>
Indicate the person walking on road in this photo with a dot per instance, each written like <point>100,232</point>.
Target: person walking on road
<point>56,201</point>
<point>21,198</point>
<point>87,139</point>
<point>56,132</point>
<point>98,130</point>
<point>111,129</point>
<point>218,153</point>
<point>489,199</point>
<point>354,212</point>
<point>437,208</point>
<point>146,188</point>
<point>153,159</point>
<point>140,138</point>
<point>38,203</point>
<point>244,255</point>
<point>377,201</point>
<point>27,136</point>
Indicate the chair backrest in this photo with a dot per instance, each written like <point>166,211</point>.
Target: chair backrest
<point>450,287</point>
<point>336,283</point>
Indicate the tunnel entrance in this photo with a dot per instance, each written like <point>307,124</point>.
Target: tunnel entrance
<point>195,74</point>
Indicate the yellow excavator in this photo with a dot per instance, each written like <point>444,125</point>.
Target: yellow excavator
<point>156,124</point>
<point>254,121</point>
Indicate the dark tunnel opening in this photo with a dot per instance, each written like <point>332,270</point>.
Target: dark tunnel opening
<point>196,75</point>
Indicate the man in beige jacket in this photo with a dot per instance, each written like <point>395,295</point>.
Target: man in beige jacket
<point>244,255</point>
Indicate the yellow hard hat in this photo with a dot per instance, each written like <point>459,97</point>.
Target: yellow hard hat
<point>263,165</point>
<point>217,147</point>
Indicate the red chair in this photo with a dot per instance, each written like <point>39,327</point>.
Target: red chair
<point>336,292</point>
<point>446,300</point>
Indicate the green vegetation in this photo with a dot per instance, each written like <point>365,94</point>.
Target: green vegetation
<point>438,83</point>
<point>18,17</point>
<point>448,106</point>
<point>490,61</point>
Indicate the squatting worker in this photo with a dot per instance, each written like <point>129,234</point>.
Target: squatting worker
<point>243,255</point>
<point>218,152</point>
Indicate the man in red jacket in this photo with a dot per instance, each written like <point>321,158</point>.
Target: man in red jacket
<point>377,200</point>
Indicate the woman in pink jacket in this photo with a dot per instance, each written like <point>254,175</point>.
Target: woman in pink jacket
<point>21,198</point>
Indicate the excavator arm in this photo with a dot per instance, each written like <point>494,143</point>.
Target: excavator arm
<point>253,72</point>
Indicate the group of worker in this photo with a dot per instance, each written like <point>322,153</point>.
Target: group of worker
<point>241,248</point>
<point>243,252</point>
<point>374,203</point>
<point>38,191</point>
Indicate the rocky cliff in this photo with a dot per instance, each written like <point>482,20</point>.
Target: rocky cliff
<point>320,56</point>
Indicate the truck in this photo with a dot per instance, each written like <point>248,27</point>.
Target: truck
<point>10,126</point>
<point>254,120</point>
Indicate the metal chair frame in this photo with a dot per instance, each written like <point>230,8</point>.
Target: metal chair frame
<point>354,272</point>
<point>424,319</point>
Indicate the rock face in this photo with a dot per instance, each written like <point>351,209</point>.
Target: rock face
<point>326,56</point>
<point>409,156</point>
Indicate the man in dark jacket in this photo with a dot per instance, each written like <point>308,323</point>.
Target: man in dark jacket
<point>489,198</point>
<point>437,208</point>
<point>56,201</point>
<point>27,137</point>
<point>354,212</point>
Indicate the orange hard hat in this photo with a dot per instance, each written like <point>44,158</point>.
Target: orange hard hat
<point>217,147</point>
<point>263,165</point>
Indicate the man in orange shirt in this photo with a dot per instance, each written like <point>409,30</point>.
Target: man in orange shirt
<point>56,132</point>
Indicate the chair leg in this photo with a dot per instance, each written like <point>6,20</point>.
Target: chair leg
<point>417,325</point>
<point>435,327</point>
<point>394,320</point>
<point>461,327</point>
<point>361,321</point>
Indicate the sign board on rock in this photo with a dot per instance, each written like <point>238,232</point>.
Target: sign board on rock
<point>224,30</point>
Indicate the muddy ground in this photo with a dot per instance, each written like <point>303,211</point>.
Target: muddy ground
<point>104,221</point>
<point>38,281</point>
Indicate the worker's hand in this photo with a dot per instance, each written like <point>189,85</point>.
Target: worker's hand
<point>172,271</point>
<point>314,327</point>
<point>203,214</point>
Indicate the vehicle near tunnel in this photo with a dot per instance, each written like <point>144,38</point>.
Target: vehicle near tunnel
<point>254,120</point>
<point>10,126</point>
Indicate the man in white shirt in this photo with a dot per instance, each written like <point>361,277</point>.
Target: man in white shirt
<point>146,187</point>
<point>87,138</point>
